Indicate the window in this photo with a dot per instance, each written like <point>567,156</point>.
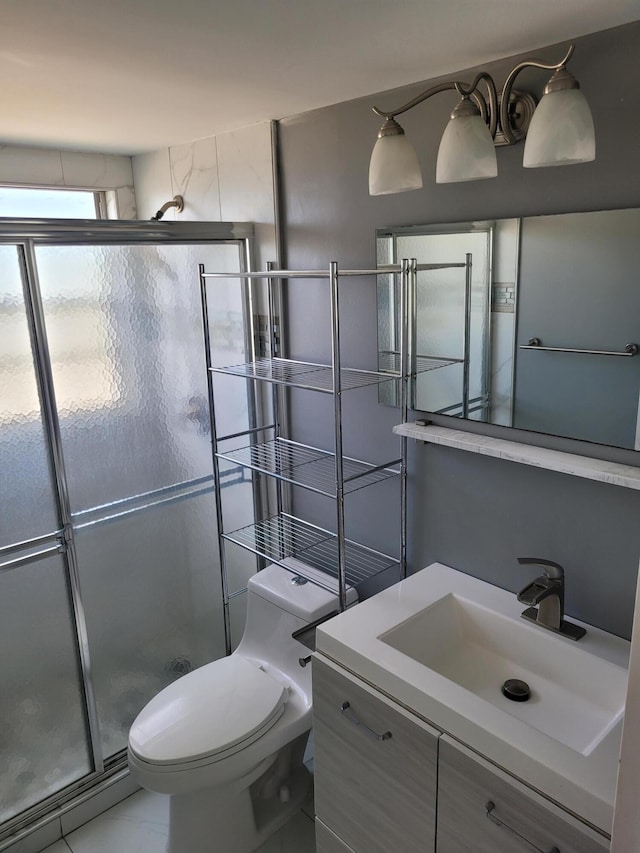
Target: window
<point>18,202</point>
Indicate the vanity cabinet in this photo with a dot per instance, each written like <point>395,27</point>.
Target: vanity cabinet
<point>375,768</point>
<point>383,776</point>
<point>482,809</point>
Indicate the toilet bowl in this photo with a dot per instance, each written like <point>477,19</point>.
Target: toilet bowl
<point>227,740</point>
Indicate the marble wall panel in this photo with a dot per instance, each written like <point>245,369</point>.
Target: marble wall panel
<point>152,182</point>
<point>102,171</point>
<point>194,175</point>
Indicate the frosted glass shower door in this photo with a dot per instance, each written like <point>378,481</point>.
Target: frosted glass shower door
<point>43,737</point>
<point>126,343</point>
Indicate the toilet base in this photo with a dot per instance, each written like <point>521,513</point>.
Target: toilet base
<point>228,820</point>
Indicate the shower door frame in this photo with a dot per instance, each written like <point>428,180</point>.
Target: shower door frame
<point>26,235</point>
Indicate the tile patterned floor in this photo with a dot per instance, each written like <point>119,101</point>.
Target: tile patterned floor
<point>139,825</point>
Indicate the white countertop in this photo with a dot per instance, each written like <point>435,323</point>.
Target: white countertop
<point>584,784</point>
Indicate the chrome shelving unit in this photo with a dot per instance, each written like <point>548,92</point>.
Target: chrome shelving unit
<point>325,471</point>
<point>291,463</point>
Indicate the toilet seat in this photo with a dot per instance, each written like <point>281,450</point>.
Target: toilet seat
<point>218,708</point>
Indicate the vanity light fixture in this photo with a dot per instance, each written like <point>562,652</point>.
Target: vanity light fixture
<point>559,131</point>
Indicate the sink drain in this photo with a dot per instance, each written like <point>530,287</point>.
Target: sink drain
<point>516,690</point>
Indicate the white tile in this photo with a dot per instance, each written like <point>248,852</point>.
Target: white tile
<point>308,753</point>
<point>502,331</point>
<point>194,175</point>
<point>152,182</point>
<point>59,847</point>
<point>297,836</point>
<point>106,799</point>
<point>34,166</point>
<point>125,203</point>
<point>138,824</point>
<point>238,618</point>
<point>99,171</point>
<point>505,251</point>
<point>246,175</point>
<point>38,840</point>
<point>308,807</point>
<point>246,183</point>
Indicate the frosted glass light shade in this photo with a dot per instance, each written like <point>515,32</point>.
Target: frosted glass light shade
<point>561,131</point>
<point>394,166</point>
<point>466,152</point>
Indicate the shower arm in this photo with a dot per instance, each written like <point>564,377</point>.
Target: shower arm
<point>177,202</point>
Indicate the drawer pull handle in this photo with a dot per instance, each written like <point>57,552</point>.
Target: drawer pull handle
<point>491,807</point>
<point>346,709</point>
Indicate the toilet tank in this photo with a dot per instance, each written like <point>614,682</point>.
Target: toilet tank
<point>307,601</point>
<point>276,608</point>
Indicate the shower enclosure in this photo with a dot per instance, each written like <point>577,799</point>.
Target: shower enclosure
<point>109,574</point>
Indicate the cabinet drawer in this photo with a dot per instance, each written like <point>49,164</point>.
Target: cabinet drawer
<point>327,841</point>
<point>520,821</point>
<point>376,795</point>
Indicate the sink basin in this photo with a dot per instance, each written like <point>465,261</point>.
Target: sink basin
<point>575,697</point>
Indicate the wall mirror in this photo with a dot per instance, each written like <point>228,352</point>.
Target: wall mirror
<point>548,333</point>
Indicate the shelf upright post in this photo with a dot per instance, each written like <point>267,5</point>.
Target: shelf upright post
<point>467,336</point>
<point>408,279</point>
<point>275,400</point>
<point>412,336</point>
<point>214,457</point>
<point>254,403</point>
<point>337,404</point>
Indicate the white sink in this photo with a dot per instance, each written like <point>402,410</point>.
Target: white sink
<point>575,697</point>
<point>442,643</point>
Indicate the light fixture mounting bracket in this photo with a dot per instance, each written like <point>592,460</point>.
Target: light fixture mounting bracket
<point>520,111</point>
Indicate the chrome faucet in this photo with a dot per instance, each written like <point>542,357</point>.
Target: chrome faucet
<point>545,597</point>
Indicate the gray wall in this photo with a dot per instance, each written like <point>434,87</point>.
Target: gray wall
<point>473,513</point>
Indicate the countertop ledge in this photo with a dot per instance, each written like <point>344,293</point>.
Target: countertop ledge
<point>613,473</point>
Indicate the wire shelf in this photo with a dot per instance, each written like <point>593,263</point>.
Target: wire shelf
<point>309,467</point>
<point>286,536</point>
<point>390,361</point>
<point>302,374</point>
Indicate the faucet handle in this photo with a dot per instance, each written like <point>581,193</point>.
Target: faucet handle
<point>551,569</point>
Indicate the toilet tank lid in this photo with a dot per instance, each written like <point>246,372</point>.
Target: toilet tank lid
<point>309,601</point>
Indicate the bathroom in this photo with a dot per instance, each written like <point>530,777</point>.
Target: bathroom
<point>465,510</point>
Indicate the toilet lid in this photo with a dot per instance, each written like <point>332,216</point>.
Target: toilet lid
<point>207,711</point>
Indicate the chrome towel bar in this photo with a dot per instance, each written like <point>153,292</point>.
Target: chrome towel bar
<point>629,351</point>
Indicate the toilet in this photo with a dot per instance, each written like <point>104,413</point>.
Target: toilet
<point>227,741</point>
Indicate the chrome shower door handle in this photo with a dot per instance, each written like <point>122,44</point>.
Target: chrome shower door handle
<point>346,709</point>
<point>490,812</point>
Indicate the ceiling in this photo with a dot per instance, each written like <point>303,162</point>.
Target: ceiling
<point>136,75</point>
